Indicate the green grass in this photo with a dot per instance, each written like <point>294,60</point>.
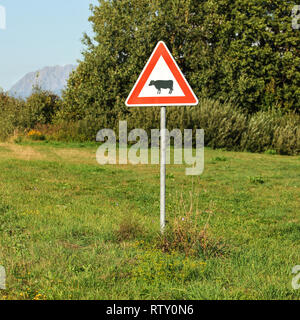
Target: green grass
<point>71,229</point>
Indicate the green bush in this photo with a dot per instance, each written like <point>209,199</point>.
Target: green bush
<point>18,115</point>
<point>71,131</point>
<point>272,130</point>
<point>223,123</point>
<point>10,113</point>
<point>260,132</point>
<point>287,139</point>
<point>225,126</point>
<point>40,108</point>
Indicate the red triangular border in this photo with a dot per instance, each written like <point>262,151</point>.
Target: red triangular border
<point>189,97</point>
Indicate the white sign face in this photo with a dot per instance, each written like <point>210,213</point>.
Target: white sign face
<point>161,72</point>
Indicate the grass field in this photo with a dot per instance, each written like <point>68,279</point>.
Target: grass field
<point>71,229</point>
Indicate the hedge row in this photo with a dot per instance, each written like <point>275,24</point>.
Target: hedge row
<point>225,125</point>
<point>228,127</point>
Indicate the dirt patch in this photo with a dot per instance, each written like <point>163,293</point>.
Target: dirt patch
<point>23,152</point>
<point>75,155</point>
<point>4,149</point>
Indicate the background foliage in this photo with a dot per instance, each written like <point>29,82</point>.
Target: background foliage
<point>17,114</point>
<point>245,51</point>
<point>240,57</point>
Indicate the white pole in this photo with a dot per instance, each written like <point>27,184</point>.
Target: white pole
<point>163,171</point>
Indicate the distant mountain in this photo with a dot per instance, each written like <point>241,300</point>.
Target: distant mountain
<point>49,78</point>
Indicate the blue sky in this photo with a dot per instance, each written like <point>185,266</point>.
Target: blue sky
<point>41,33</point>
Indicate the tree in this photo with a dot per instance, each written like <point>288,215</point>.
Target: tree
<point>40,107</point>
<point>239,50</point>
<point>11,113</point>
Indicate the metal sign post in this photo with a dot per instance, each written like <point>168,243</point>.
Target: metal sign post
<point>162,84</point>
<point>163,170</point>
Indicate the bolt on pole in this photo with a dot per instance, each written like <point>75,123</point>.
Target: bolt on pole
<point>163,171</point>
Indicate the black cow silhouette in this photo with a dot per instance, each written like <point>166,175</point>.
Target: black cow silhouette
<point>163,84</point>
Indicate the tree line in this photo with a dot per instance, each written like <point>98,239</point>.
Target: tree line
<point>240,57</point>
<point>241,51</point>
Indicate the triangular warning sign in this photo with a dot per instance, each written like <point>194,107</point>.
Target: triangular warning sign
<point>161,83</point>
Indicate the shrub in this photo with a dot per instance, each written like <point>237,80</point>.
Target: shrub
<point>272,130</point>
<point>40,108</point>
<point>73,131</point>
<point>225,126</point>
<point>10,114</point>
<point>18,115</point>
<point>223,123</point>
<point>287,139</point>
<point>260,132</point>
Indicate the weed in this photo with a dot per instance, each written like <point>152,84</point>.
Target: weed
<point>155,267</point>
<point>187,235</point>
<point>170,176</point>
<point>257,180</point>
<point>270,151</point>
<point>129,229</point>
<point>220,159</point>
